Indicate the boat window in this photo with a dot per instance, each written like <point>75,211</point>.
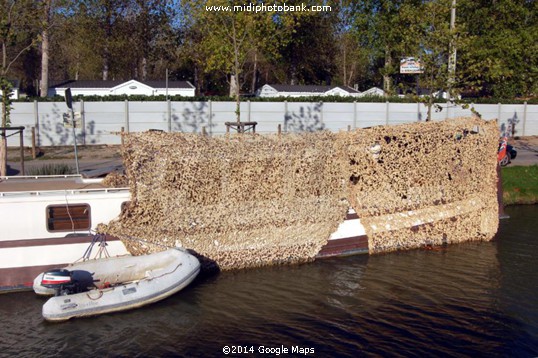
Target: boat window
<point>68,217</point>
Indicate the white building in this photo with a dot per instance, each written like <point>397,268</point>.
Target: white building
<point>313,90</point>
<point>15,90</point>
<point>132,87</point>
<point>374,91</point>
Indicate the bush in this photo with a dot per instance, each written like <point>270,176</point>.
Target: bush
<point>51,169</point>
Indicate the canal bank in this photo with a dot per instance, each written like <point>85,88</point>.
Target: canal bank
<point>520,185</point>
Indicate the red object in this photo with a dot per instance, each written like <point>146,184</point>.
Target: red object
<point>54,282</point>
<point>502,149</point>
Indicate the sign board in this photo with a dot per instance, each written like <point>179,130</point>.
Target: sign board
<point>68,98</point>
<point>68,120</point>
<point>410,65</point>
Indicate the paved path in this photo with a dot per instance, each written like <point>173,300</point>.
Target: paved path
<point>527,154</point>
<point>14,168</point>
<point>527,151</point>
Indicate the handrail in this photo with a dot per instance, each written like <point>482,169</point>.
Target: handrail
<point>29,177</point>
<point>63,191</point>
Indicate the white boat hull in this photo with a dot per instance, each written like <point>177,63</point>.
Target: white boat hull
<point>28,247</point>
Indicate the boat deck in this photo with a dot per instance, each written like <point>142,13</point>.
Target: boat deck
<point>47,183</point>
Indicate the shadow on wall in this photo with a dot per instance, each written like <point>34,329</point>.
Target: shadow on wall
<point>508,128</point>
<point>193,118</point>
<point>308,119</point>
<point>52,128</point>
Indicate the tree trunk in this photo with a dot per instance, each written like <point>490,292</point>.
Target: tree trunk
<point>3,140</point>
<point>107,40</point>
<point>105,69</point>
<point>234,80</point>
<point>3,154</point>
<point>234,92</point>
<point>345,64</point>
<point>233,85</point>
<point>44,84</point>
<point>198,90</point>
<point>144,68</point>
<point>386,74</point>
<point>254,73</point>
<point>430,105</point>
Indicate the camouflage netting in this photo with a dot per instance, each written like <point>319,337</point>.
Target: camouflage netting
<point>239,201</point>
<point>424,183</point>
<point>251,200</point>
<point>115,180</point>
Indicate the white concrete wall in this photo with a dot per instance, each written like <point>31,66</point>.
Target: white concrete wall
<point>101,121</point>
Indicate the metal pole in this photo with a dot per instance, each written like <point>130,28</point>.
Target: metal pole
<point>167,84</point>
<point>75,139</point>
<point>169,114</point>
<point>387,113</point>
<point>36,121</point>
<point>210,119</point>
<point>524,117</point>
<point>33,143</point>
<point>83,122</point>
<point>354,114</point>
<point>321,112</point>
<point>285,116</point>
<point>22,150</point>
<point>127,116</point>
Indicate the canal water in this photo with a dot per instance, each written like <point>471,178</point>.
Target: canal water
<point>467,300</point>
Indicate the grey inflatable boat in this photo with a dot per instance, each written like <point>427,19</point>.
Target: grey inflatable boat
<point>114,284</point>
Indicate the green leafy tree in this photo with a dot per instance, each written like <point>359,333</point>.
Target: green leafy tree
<point>308,56</point>
<point>434,50</point>
<point>228,40</point>
<point>16,37</point>
<point>502,57</point>
<point>389,30</point>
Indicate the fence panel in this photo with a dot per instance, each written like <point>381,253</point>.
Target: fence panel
<point>22,115</point>
<point>103,120</point>
<point>530,120</point>
<point>268,115</point>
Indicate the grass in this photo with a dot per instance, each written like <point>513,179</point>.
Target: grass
<point>520,185</point>
<point>66,152</point>
<point>51,169</point>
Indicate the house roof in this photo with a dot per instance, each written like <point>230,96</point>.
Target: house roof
<point>348,89</point>
<point>112,84</point>
<point>302,88</point>
<point>310,88</point>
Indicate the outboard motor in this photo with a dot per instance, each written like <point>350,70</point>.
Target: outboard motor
<point>59,280</point>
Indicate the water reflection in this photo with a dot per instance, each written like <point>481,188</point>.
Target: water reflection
<point>471,299</point>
